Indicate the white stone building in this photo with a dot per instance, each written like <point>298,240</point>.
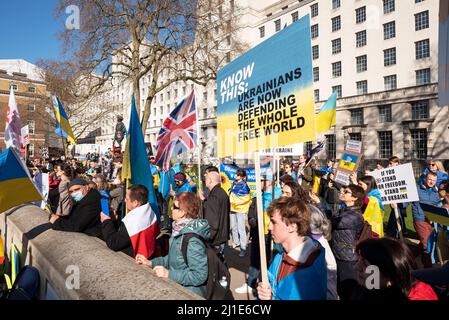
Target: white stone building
<point>381,56</point>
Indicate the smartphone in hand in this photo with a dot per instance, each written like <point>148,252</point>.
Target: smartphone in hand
<point>105,206</point>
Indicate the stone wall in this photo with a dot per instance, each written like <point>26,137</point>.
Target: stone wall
<point>103,274</point>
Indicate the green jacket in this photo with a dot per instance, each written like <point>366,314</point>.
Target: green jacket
<point>193,276</point>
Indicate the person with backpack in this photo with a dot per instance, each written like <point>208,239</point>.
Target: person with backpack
<point>193,273</point>
<point>347,227</point>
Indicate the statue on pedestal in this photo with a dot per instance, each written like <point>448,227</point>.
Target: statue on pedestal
<point>119,135</point>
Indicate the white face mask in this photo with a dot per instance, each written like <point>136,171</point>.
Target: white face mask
<point>77,196</point>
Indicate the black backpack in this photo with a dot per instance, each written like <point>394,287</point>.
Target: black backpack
<point>217,270</point>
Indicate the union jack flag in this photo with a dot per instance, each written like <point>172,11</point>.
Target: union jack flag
<point>178,133</point>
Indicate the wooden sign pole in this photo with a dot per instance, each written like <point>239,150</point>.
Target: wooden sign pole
<point>260,220</point>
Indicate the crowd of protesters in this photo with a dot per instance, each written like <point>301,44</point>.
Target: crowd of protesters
<point>321,237</point>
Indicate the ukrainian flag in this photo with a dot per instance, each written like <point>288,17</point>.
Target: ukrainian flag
<point>63,128</point>
<point>16,186</point>
<point>136,167</point>
<point>326,118</point>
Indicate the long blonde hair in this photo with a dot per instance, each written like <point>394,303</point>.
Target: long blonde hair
<point>440,166</point>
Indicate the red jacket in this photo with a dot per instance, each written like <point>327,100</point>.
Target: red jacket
<point>422,291</point>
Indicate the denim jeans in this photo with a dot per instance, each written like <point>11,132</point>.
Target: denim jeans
<point>238,224</point>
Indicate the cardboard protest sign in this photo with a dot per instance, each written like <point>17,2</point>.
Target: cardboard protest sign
<point>396,184</point>
<point>354,146</point>
<point>265,97</point>
<point>350,161</point>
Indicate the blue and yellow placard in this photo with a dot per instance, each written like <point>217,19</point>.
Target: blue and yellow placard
<point>265,97</point>
<point>349,161</point>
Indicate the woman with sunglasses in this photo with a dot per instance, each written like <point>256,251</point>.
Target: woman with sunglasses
<point>347,224</point>
<point>437,168</point>
<point>193,274</point>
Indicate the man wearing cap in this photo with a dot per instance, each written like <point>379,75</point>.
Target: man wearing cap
<point>85,213</point>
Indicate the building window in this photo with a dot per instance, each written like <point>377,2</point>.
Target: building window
<point>390,82</point>
<point>204,113</point>
<point>277,25</point>
<point>295,15</point>
<point>168,95</point>
<point>336,69</point>
<point>388,6</point>
<point>418,1</point>
<point>316,74</point>
<point>335,4</point>
<point>262,31</point>
<point>31,107</point>
<point>336,46</point>
<point>419,143</point>
<point>357,136</point>
<point>420,110</point>
<point>421,20</point>
<point>361,63</point>
<point>357,116</point>
<point>314,31</point>
<point>362,87</point>
<point>205,95</point>
<point>183,91</point>
<point>31,126</point>
<point>385,114</point>
<point>331,151</point>
<point>161,108</point>
<point>315,52</point>
<point>308,146</point>
<point>338,90</point>
<point>336,24</point>
<point>313,10</point>
<point>14,87</point>
<point>385,144</point>
<point>31,89</point>
<point>228,57</point>
<point>389,57</point>
<point>316,94</point>
<point>31,150</point>
<point>360,39</point>
<point>422,76</point>
<point>389,30</point>
<point>422,49</point>
<point>360,15</point>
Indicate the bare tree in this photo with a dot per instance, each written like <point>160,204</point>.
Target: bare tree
<point>165,40</point>
<point>83,107</point>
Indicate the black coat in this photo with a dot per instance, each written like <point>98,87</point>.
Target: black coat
<point>216,210</point>
<point>84,216</point>
<point>117,239</point>
<point>347,225</point>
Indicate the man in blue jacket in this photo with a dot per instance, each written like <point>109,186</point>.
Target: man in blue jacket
<point>428,193</point>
